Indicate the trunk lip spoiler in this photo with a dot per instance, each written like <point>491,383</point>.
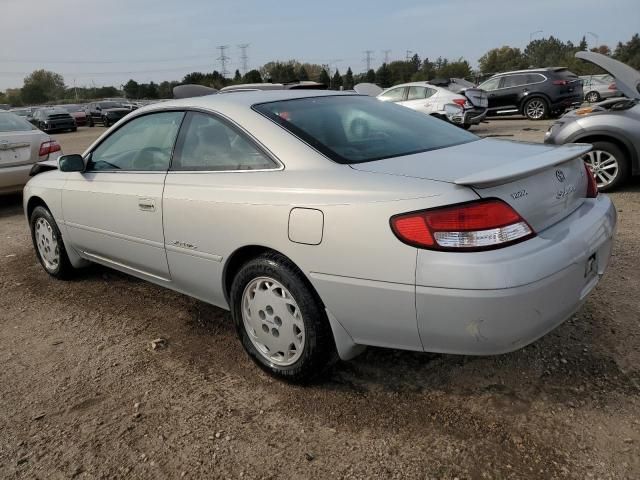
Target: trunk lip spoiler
<point>525,166</point>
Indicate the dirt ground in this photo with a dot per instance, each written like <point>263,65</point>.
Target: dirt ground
<point>83,394</point>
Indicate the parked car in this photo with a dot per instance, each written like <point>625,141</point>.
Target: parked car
<point>49,119</point>
<point>21,146</point>
<point>78,113</point>
<point>611,126</point>
<point>106,113</point>
<point>329,221</point>
<point>464,109</point>
<point>534,93</point>
<point>25,112</point>
<point>596,89</point>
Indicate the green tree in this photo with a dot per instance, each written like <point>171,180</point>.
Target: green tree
<point>583,44</point>
<point>629,52</point>
<point>400,71</point>
<point>336,81</point>
<point>252,76</point>
<point>324,78</point>
<point>303,76</point>
<point>347,80</point>
<point>132,89</point>
<point>370,76</point>
<point>415,63</point>
<point>383,76</point>
<point>41,86</point>
<point>280,72</point>
<point>237,78</point>
<point>502,59</point>
<point>196,78</point>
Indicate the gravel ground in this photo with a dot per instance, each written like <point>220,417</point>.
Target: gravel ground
<point>84,395</point>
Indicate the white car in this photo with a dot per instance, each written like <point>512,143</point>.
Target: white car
<point>328,221</point>
<point>464,109</point>
<point>21,146</point>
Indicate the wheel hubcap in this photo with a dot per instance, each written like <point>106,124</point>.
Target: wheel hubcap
<point>603,165</point>
<point>273,321</point>
<point>47,244</point>
<point>535,109</point>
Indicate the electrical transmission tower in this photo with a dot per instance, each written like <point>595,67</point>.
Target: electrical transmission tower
<point>244,58</point>
<point>386,55</point>
<point>223,59</point>
<point>368,58</point>
<point>408,56</point>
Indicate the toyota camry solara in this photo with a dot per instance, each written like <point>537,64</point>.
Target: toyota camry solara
<point>327,222</point>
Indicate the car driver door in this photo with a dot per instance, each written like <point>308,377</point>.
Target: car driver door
<point>113,210</point>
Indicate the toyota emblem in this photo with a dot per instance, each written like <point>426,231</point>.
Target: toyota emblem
<point>560,175</point>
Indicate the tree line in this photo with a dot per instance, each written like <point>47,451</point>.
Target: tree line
<point>43,86</point>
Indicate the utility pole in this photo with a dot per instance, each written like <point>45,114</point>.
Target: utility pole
<point>408,55</point>
<point>223,59</point>
<point>368,58</point>
<point>386,55</point>
<point>244,58</point>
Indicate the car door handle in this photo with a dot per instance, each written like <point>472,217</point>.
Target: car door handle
<point>147,204</point>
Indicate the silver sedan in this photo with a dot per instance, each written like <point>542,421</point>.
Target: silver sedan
<point>327,222</point>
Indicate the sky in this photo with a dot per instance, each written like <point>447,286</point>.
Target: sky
<point>97,42</point>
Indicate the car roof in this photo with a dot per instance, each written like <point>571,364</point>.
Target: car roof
<point>241,99</point>
<point>422,83</point>
<point>532,70</point>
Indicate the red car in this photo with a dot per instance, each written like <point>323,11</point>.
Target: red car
<point>77,113</point>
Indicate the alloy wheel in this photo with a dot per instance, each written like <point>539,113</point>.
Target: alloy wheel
<point>273,321</point>
<point>47,243</point>
<point>603,165</point>
<point>535,109</point>
<point>592,97</point>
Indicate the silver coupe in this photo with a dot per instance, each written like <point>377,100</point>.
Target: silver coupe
<point>330,221</point>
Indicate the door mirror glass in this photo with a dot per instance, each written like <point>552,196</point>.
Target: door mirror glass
<point>71,163</point>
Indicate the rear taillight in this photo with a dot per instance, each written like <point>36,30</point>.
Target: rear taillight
<point>612,86</point>
<point>592,186</point>
<point>459,101</point>
<point>48,147</point>
<point>478,225</point>
<point>561,82</point>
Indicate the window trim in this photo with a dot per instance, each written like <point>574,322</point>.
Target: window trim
<point>87,157</point>
<point>278,165</point>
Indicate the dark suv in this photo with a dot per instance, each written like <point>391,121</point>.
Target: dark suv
<point>106,113</point>
<point>535,93</point>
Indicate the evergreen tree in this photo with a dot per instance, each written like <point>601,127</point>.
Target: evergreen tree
<point>370,76</point>
<point>252,76</point>
<point>348,80</point>
<point>336,81</point>
<point>237,78</point>
<point>303,76</point>
<point>383,76</point>
<point>324,78</point>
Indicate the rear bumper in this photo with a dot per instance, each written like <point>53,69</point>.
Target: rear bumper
<point>521,292</point>
<point>13,179</point>
<point>474,117</point>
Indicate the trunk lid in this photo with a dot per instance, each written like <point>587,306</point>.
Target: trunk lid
<point>542,183</point>
<point>477,97</point>
<point>20,148</point>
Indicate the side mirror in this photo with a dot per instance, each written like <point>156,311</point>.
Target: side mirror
<point>71,163</point>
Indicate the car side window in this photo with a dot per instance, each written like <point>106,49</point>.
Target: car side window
<point>393,95</point>
<point>208,143</point>
<point>514,81</point>
<point>143,144</point>
<point>491,84</point>
<point>534,78</point>
<point>417,93</point>
<point>430,92</point>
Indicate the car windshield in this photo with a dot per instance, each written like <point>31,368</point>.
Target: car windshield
<point>10,122</point>
<point>355,129</point>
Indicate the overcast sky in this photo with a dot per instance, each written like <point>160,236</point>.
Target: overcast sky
<point>108,42</point>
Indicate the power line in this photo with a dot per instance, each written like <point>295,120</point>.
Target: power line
<point>223,59</point>
<point>386,55</point>
<point>174,69</point>
<point>368,58</point>
<point>408,55</point>
<point>102,62</point>
<point>244,58</point>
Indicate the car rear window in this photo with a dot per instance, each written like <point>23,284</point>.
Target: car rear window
<point>355,129</point>
<point>10,122</point>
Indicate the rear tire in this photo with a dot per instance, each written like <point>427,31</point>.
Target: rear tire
<point>592,97</point>
<point>536,109</point>
<point>280,320</point>
<point>48,244</point>
<point>90,122</point>
<point>609,165</point>
<point>466,126</point>
<point>105,122</point>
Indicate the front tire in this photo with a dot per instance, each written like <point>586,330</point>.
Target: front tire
<point>280,320</point>
<point>535,109</point>
<point>609,165</point>
<point>47,241</point>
